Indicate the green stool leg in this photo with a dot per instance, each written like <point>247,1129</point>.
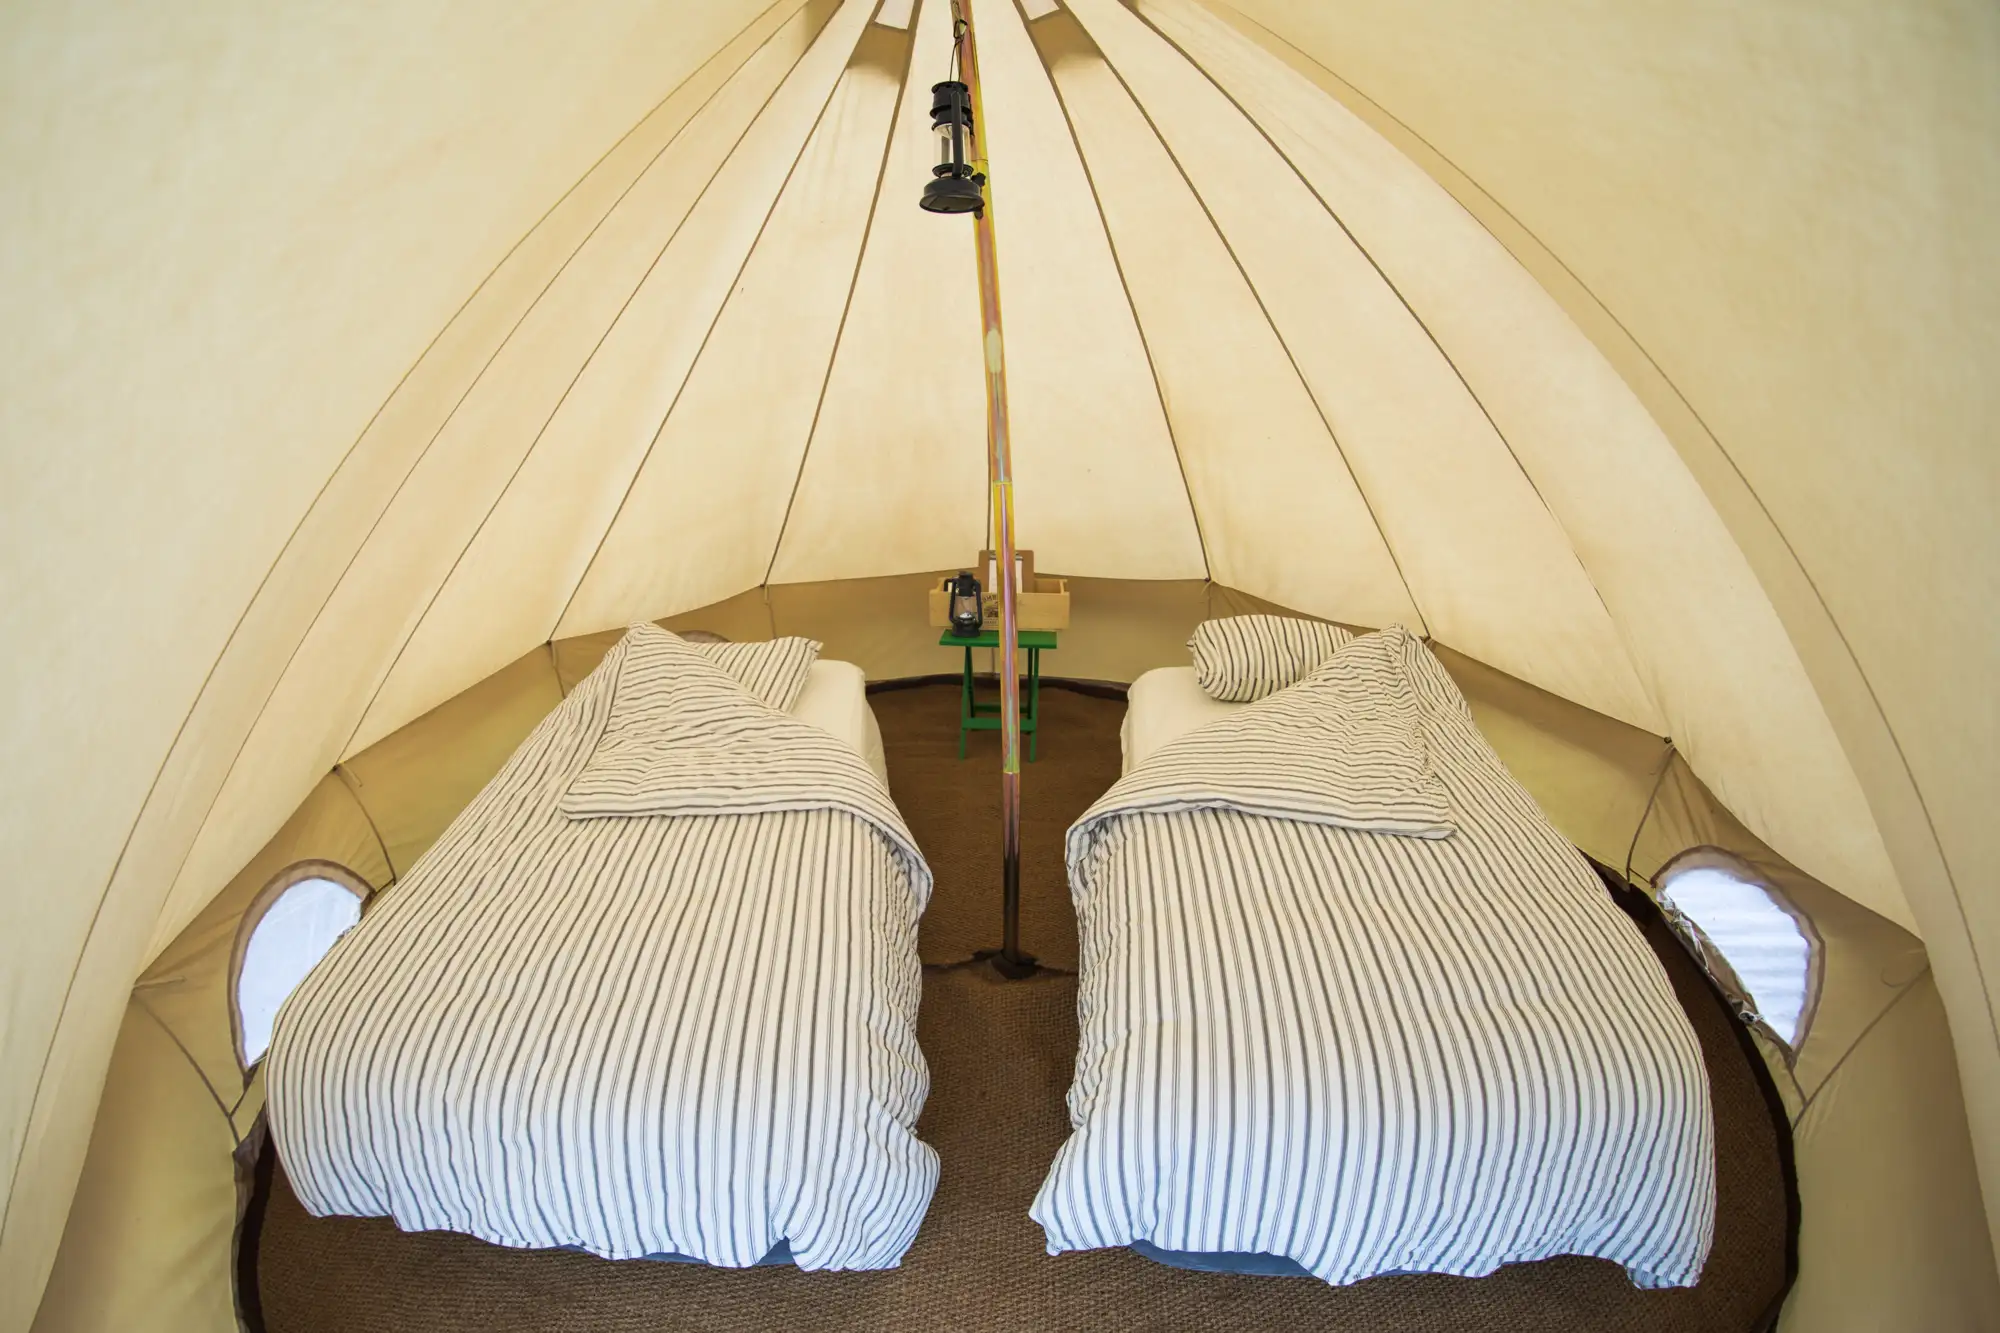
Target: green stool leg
<point>965,708</point>
<point>1034,701</point>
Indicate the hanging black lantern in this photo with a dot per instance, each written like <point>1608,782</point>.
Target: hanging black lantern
<point>967,607</point>
<point>954,187</point>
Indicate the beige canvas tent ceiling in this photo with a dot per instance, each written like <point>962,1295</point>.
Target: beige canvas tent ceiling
<point>1641,355</point>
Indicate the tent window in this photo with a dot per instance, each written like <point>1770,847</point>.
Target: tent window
<point>1760,949</point>
<point>291,924</point>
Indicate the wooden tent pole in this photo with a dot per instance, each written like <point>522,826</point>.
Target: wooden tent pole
<point>1000,478</point>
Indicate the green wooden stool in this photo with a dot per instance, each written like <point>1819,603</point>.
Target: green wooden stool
<point>976,716</point>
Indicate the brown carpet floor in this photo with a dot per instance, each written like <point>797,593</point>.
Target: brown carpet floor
<point>1001,1055</point>
<point>953,808</point>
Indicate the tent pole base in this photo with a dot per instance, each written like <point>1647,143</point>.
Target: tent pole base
<point>1014,966</point>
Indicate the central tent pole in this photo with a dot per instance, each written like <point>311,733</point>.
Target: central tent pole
<point>1010,961</point>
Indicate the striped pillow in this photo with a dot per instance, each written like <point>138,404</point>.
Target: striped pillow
<point>774,671</point>
<point>1240,659</point>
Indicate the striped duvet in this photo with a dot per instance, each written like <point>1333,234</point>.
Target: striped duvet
<point>1348,998</point>
<point>653,993</point>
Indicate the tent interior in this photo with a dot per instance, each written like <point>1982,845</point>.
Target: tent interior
<point>371,368</point>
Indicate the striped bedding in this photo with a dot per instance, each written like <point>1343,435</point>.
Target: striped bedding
<point>1240,659</point>
<point>653,993</point>
<point>1329,1017</point>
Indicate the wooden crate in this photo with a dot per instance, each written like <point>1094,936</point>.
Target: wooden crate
<point>1043,603</point>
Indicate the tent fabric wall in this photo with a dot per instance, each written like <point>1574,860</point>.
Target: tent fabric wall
<point>147,1244</point>
<point>1892,1231</point>
<point>1468,534</point>
<point>359,356</point>
<point>148,1241</point>
<point>630,306</point>
<point>1679,591</point>
<point>229,232</point>
<point>1881,1135</point>
<point>408,796</point>
<point>1869,963</point>
<point>1774,218</point>
<point>1119,627</point>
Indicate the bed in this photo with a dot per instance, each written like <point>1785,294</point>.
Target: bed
<point>652,995</point>
<point>1349,1006</point>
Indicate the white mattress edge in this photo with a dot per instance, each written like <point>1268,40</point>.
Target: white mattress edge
<point>1163,705</point>
<point>835,699</point>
